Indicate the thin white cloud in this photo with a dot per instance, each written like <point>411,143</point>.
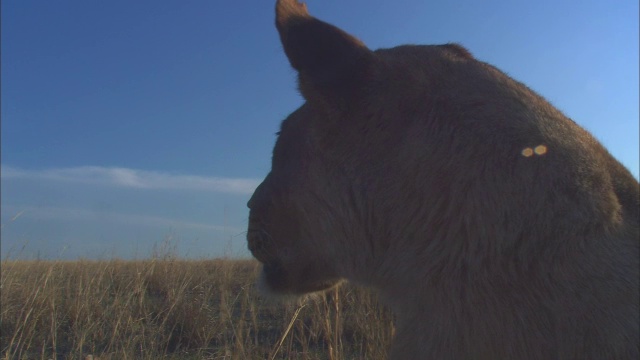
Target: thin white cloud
<point>75,214</point>
<point>133,178</point>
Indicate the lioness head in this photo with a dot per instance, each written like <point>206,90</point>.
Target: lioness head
<point>375,135</point>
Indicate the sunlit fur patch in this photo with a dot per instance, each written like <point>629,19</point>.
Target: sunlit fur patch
<point>538,150</point>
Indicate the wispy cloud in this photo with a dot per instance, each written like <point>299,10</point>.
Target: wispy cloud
<point>76,214</point>
<point>133,178</point>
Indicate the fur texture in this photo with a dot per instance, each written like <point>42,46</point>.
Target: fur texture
<point>493,225</point>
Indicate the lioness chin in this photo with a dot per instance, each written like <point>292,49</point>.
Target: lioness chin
<point>491,224</point>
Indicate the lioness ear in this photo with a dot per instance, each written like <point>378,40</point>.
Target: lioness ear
<point>330,63</point>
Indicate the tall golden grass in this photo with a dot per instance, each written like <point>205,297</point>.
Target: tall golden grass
<point>168,308</point>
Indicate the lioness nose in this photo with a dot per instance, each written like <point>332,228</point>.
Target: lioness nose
<point>256,194</point>
<point>252,200</point>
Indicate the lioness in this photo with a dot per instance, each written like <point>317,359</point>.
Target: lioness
<point>493,225</point>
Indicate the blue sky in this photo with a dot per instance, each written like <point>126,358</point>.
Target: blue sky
<point>128,123</point>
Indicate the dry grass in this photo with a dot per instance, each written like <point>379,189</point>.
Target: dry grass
<point>167,308</point>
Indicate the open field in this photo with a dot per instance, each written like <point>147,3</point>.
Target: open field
<point>167,308</point>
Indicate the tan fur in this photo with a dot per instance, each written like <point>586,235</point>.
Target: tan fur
<point>494,226</point>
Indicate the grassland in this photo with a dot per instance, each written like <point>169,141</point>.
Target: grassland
<point>168,308</point>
